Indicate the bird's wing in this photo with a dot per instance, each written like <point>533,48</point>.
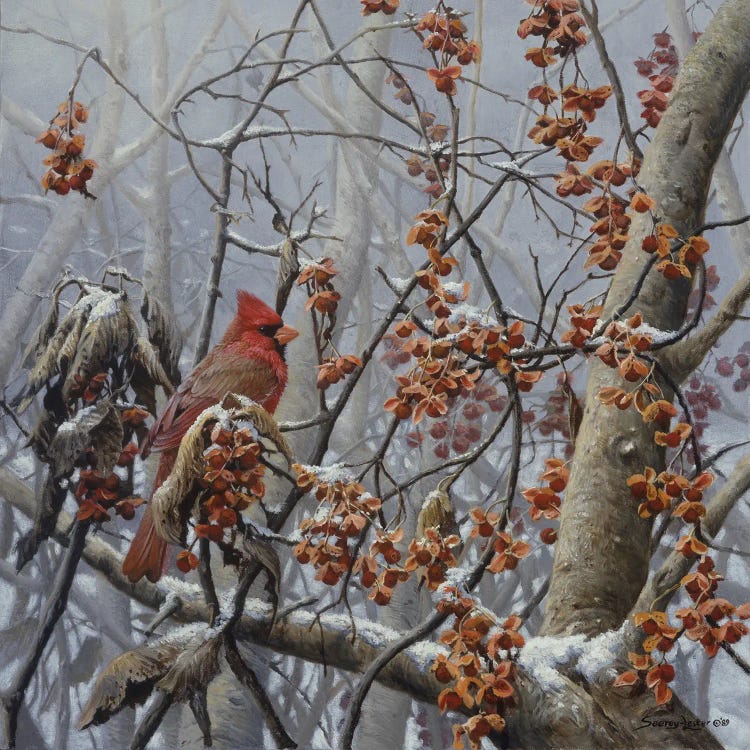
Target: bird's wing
<point>218,374</point>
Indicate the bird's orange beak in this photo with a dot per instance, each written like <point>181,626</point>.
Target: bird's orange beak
<point>285,334</point>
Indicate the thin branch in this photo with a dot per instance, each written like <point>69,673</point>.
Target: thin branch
<point>592,21</point>
<point>12,699</point>
<point>244,673</point>
<point>151,721</point>
<point>437,618</point>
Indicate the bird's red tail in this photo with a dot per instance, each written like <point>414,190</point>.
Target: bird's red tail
<point>148,551</point>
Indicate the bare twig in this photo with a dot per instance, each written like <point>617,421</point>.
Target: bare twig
<point>11,701</point>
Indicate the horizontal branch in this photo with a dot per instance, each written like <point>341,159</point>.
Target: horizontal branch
<point>322,640</point>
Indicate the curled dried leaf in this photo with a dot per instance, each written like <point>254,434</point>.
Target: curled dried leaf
<point>128,679</point>
<point>99,426</point>
<point>193,669</point>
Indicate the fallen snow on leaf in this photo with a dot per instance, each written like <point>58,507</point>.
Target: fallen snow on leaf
<point>329,474</point>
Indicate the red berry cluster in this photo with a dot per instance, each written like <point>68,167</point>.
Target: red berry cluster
<point>698,623</point>
<point>232,479</point>
<point>706,397</point>
<point>386,7</point>
<point>323,299</point>
<point>479,668</point>
<point>545,501</point>
<point>88,390</point>
<point>678,259</point>
<point>462,426</point>
<point>444,33</point>
<point>416,166</point>
<point>658,492</point>
<point>317,275</point>
<point>626,337</point>
<point>344,512</point>
<point>68,169</point>
<point>379,570</point>
<point>434,555</point>
<point>96,494</point>
<point>660,68</point>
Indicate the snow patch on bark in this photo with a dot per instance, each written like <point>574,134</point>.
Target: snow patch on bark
<point>543,657</point>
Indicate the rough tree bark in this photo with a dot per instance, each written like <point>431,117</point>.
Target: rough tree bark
<point>602,556</point>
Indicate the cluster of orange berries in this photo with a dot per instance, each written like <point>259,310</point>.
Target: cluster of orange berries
<point>621,336</point>
<point>559,25</point>
<point>699,623</point>
<point>444,33</point>
<point>434,554</point>
<point>660,68</point>
<point>232,480</point>
<point>68,169</point>
<point>545,501</point>
<point>657,492</point>
<point>462,428</point>
<point>97,494</point>
<point>345,510</point>
<point>323,298</point>
<point>318,276</point>
<point>676,261</point>
<point>441,371</point>
<point>416,166</point>
<point>479,667</point>
<point>88,390</point>
<point>379,569</point>
<point>386,7</point>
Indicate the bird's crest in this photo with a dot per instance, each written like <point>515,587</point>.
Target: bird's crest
<point>252,309</point>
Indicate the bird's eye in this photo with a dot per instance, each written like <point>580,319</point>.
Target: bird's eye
<point>267,330</point>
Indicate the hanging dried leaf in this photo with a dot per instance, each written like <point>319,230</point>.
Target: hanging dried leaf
<point>265,555</point>
<point>109,332</point>
<point>145,357</point>
<point>48,508</point>
<point>287,275</point>
<point>129,679</point>
<point>173,500</point>
<point>163,335</point>
<point>41,337</point>
<point>194,668</point>
<point>99,426</point>
<point>437,513</point>
<point>199,707</point>
<point>60,349</point>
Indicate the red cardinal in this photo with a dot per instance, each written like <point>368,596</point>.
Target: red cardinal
<point>248,360</point>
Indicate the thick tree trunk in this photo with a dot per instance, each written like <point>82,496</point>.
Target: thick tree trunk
<point>602,555</point>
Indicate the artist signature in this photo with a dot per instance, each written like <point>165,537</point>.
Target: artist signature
<point>682,723</point>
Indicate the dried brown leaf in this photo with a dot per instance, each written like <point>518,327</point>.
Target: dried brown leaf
<point>437,513</point>
<point>194,668</point>
<point>128,679</point>
<point>164,335</point>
